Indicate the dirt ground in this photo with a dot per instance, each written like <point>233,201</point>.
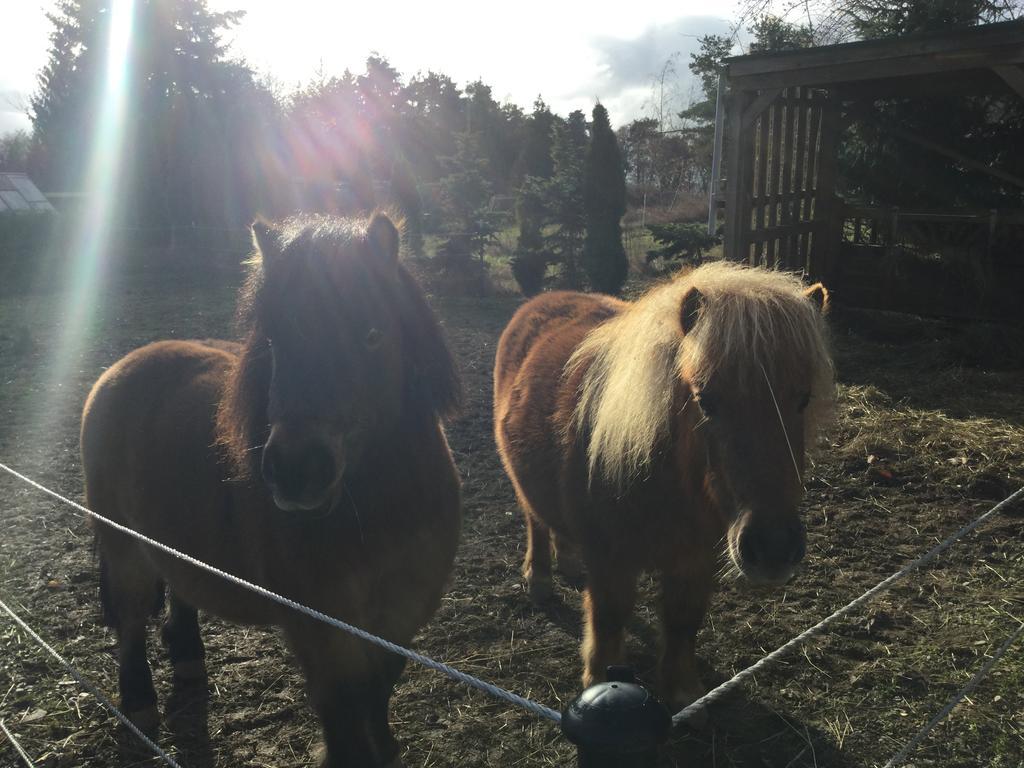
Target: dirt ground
<point>930,432</point>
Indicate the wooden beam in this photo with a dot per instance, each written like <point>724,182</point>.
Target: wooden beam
<point>1014,77</point>
<point>970,42</point>
<point>952,154</point>
<point>759,105</point>
<point>969,82</point>
<point>737,179</point>
<point>715,184</point>
<point>803,73</point>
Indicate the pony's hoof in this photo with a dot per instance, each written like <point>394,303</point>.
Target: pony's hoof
<point>320,756</point>
<point>190,671</point>
<point>540,589</point>
<point>146,720</point>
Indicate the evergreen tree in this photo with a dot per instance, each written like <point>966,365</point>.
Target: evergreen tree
<point>535,158</point>
<point>604,196</point>
<point>466,195</point>
<point>878,168</point>
<point>680,242</point>
<point>700,116</point>
<point>15,150</point>
<point>407,197</point>
<point>530,260</point>
<point>194,120</point>
<point>563,195</point>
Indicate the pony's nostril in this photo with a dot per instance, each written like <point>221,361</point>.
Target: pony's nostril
<point>748,550</point>
<point>298,473</point>
<point>318,467</point>
<point>268,464</point>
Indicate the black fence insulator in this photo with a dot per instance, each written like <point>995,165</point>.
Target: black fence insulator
<point>617,724</point>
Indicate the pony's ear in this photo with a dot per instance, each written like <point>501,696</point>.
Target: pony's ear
<point>817,294</point>
<point>689,312</point>
<point>267,240</point>
<point>383,237</point>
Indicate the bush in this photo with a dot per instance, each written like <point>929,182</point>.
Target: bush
<point>25,235</point>
<point>684,242</point>
<point>528,268</point>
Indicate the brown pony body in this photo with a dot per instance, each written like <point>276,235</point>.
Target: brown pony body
<point>345,374</point>
<point>641,436</point>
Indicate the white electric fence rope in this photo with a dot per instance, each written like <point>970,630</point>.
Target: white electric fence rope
<point>716,693</point>
<point>901,756</point>
<point>538,709</point>
<point>16,745</point>
<point>90,687</point>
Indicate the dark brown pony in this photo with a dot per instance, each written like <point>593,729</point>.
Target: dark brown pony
<point>310,460</point>
<point>641,436</point>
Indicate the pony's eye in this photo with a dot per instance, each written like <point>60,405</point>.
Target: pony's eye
<point>373,338</point>
<point>805,400</point>
<point>706,403</point>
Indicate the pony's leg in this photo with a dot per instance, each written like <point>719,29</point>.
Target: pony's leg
<point>391,668</point>
<point>346,691</point>
<point>129,589</point>
<point>684,599</point>
<point>567,557</point>
<point>537,562</point>
<point>607,605</point>
<point>180,633</point>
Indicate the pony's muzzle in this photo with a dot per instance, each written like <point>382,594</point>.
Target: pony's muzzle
<point>300,473</point>
<point>769,552</point>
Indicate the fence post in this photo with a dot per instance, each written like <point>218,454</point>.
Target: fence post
<point>617,724</point>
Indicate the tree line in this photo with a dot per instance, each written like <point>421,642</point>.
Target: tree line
<point>209,143</point>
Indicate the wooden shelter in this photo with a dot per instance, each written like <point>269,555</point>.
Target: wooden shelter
<point>782,117</point>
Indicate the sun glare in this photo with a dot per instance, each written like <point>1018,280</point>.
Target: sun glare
<point>93,226</point>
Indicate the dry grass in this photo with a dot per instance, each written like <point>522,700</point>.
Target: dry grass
<point>948,435</point>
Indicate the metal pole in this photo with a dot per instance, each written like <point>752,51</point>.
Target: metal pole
<point>716,155</point>
<point>617,724</point>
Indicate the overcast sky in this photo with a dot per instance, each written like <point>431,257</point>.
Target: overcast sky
<point>570,53</point>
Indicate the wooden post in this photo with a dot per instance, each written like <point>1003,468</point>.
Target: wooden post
<point>737,191</point>
<point>813,150</point>
<point>824,262</point>
<point>714,185</point>
<point>774,176</point>
<point>796,257</point>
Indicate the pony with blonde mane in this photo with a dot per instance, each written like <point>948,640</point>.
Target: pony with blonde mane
<point>640,437</point>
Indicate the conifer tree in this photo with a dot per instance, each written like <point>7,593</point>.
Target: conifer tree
<point>604,195</point>
<point>530,260</point>
<point>466,195</point>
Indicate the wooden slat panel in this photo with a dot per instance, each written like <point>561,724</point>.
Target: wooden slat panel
<point>796,260</point>
<point>786,212</point>
<point>814,137</point>
<point>761,190</point>
<point>737,192</point>
<point>776,174</point>
<point>827,217</point>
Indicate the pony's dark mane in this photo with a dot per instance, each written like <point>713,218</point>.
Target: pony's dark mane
<point>432,381</point>
<point>242,426</point>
